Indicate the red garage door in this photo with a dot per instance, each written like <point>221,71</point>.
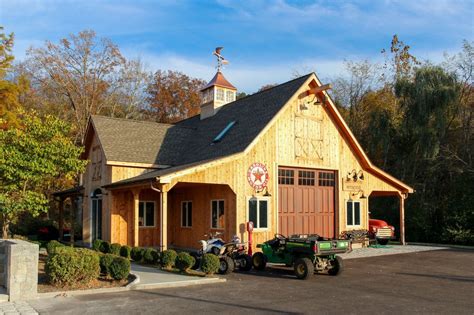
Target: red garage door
<point>306,201</point>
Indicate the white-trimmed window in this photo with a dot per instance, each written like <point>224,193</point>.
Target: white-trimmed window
<point>220,94</point>
<point>217,214</point>
<point>146,213</point>
<point>230,96</point>
<point>186,214</point>
<point>258,212</point>
<point>353,213</point>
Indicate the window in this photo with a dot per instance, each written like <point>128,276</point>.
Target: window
<point>219,94</point>
<point>306,178</point>
<point>286,177</point>
<point>326,179</point>
<point>217,214</point>
<point>230,96</point>
<point>146,213</point>
<point>186,214</point>
<point>353,213</point>
<point>223,132</point>
<point>258,213</point>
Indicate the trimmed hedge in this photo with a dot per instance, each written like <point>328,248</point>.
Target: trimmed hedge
<point>96,245</point>
<point>52,245</point>
<point>105,247</point>
<point>105,262</point>
<point>168,258</point>
<point>119,269</point>
<point>125,251</point>
<point>210,263</point>
<point>115,249</point>
<point>69,265</point>
<point>184,261</point>
<point>137,254</point>
<point>151,256</point>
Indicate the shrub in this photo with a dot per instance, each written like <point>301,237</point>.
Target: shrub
<point>210,263</point>
<point>96,245</point>
<point>125,251</point>
<point>105,247</point>
<point>52,245</point>
<point>184,261</point>
<point>68,265</point>
<point>168,258</point>
<point>150,255</point>
<point>105,261</point>
<point>119,268</point>
<point>137,254</point>
<point>115,249</point>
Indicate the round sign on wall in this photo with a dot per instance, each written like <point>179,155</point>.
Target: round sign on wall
<point>257,175</point>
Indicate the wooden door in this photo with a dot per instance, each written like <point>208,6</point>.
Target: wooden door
<point>306,201</point>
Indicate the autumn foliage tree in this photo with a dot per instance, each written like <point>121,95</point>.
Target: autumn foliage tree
<point>173,96</point>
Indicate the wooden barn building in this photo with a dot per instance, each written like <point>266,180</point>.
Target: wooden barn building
<point>282,158</point>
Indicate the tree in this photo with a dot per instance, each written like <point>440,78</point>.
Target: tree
<point>266,87</point>
<point>401,63</point>
<point>35,155</point>
<point>173,96</point>
<point>85,75</point>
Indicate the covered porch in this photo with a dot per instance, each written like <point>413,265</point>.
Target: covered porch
<point>157,215</point>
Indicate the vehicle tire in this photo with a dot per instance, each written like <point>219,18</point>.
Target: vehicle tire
<point>216,251</point>
<point>338,266</point>
<point>382,241</point>
<point>259,261</point>
<point>304,268</point>
<point>245,262</point>
<point>226,265</point>
<point>197,260</point>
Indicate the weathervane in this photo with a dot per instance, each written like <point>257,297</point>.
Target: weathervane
<point>220,59</point>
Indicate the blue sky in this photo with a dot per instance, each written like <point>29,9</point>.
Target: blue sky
<point>265,41</point>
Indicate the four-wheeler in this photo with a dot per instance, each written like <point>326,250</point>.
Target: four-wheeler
<point>234,255</point>
<point>380,231</point>
<point>306,253</point>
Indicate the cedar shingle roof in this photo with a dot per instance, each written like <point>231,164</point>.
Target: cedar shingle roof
<point>189,142</point>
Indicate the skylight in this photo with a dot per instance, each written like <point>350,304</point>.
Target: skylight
<point>223,132</point>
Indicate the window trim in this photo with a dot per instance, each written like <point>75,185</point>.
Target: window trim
<point>144,226</point>
<point>247,217</point>
<point>217,228</point>
<point>187,209</point>
<point>353,213</point>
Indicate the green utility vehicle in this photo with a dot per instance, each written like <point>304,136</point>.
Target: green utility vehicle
<point>306,253</point>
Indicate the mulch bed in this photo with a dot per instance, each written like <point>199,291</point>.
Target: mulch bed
<point>103,282</point>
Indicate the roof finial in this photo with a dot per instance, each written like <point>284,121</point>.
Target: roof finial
<point>220,59</point>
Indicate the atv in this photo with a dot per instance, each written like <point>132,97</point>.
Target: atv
<point>307,254</point>
<point>234,255</point>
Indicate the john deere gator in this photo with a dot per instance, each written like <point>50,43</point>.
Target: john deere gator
<point>307,254</point>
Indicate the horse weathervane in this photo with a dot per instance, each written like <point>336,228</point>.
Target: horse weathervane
<point>220,59</point>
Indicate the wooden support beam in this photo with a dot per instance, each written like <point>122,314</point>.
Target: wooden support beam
<point>316,90</point>
<point>136,201</point>
<point>73,217</point>
<point>164,221</point>
<point>402,219</point>
<point>61,219</point>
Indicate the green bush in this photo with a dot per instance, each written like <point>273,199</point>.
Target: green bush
<point>184,261</point>
<point>52,245</point>
<point>168,258</point>
<point>125,251</point>
<point>105,261</point>
<point>105,247</point>
<point>96,245</point>
<point>151,256</point>
<point>119,268</point>
<point>69,265</point>
<point>210,263</point>
<point>115,249</point>
<point>137,254</point>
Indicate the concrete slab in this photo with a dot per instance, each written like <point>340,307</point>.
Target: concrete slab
<point>388,250</point>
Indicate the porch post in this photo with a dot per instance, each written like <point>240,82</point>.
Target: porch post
<point>73,217</point>
<point>61,219</point>
<point>164,220</point>
<point>402,219</point>
<point>136,201</point>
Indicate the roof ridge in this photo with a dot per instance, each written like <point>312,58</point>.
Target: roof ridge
<point>132,120</point>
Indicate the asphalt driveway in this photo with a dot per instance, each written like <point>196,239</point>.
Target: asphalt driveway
<point>439,281</point>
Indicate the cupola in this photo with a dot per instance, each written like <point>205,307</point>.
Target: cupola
<point>218,91</point>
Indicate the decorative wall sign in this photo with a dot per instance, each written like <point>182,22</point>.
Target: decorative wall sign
<point>257,175</point>
<point>353,181</point>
